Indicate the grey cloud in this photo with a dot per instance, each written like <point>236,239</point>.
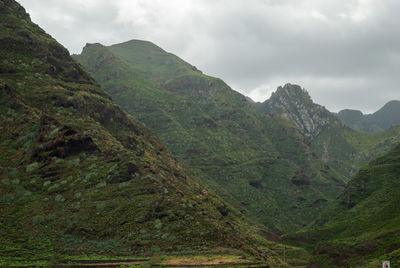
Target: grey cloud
<point>345,53</point>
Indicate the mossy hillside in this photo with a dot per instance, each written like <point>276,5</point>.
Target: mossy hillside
<point>80,176</point>
<point>260,164</point>
<point>362,225</point>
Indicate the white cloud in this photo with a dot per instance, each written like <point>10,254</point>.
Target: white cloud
<point>337,49</point>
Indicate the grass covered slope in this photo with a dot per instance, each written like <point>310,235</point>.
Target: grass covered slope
<point>363,224</point>
<point>80,176</point>
<point>260,164</point>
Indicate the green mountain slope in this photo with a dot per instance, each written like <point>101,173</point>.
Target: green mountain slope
<point>362,227</point>
<point>80,176</point>
<point>341,147</point>
<point>260,164</point>
<point>382,119</point>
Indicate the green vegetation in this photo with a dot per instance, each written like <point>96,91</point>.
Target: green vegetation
<point>261,165</point>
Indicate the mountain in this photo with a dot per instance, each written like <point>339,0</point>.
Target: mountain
<point>294,104</point>
<point>382,119</point>
<point>341,147</point>
<point>362,226</point>
<point>260,164</point>
<point>356,120</point>
<point>79,176</point>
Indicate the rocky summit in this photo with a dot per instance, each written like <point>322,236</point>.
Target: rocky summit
<point>294,104</point>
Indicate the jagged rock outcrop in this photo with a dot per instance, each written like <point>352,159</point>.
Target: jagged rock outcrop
<point>295,105</point>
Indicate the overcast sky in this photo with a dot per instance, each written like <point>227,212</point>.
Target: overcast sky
<point>346,53</point>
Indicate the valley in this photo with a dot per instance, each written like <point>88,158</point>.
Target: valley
<point>126,154</point>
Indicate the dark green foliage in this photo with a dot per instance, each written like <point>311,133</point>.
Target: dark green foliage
<point>212,129</point>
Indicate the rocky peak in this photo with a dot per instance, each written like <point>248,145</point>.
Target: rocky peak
<point>295,105</point>
<point>291,93</point>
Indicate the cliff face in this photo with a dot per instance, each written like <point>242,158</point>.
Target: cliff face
<point>295,105</point>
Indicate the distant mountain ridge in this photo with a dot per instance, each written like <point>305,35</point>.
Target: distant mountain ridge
<point>381,120</point>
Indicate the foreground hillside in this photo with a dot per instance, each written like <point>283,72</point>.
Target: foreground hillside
<point>262,165</point>
<point>80,176</point>
<point>362,227</point>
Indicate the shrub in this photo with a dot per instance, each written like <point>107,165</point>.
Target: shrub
<point>59,198</point>
<point>101,184</point>
<point>73,163</point>
<point>123,185</point>
<point>12,173</point>
<point>155,249</point>
<point>39,219</point>
<point>7,198</point>
<point>100,206</point>
<point>91,175</point>
<point>31,167</point>
<point>77,195</point>
<point>157,224</point>
<point>53,188</point>
<point>50,217</point>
